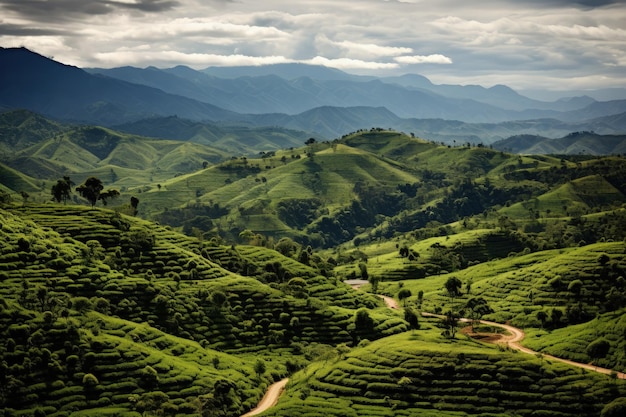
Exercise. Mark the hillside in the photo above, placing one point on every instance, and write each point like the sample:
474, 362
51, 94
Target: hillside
577, 143
230, 276
112, 306
31, 81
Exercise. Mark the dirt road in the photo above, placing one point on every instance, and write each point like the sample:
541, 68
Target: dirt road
389, 302
516, 335
512, 340
269, 399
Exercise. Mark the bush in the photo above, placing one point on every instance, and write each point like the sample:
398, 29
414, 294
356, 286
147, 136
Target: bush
90, 380
616, 408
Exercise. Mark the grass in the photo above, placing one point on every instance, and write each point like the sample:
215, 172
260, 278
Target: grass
421, 372
115, 298
92, 292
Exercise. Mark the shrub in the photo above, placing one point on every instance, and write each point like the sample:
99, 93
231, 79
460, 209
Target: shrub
90, 380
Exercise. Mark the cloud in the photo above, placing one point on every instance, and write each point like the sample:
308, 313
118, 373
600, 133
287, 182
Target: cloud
424, 59
348, 64
370, 49
150, 6
521, 41
51, 10
143, 54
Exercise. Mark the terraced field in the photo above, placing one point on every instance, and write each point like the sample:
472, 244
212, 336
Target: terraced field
419, 373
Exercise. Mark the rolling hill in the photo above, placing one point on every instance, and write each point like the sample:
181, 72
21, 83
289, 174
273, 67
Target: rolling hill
230, 275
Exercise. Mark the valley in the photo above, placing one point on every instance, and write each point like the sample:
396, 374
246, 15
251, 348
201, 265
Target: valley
161, 255
230, 277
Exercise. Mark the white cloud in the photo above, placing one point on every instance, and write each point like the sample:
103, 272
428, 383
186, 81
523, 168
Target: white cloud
347, 63
424, 59
143, 54
370, 49
520, 41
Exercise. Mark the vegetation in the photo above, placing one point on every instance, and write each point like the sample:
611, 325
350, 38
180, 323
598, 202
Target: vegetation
193, 291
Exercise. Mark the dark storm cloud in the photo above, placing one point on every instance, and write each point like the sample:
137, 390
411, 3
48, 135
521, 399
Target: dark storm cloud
51, 10
19, 30
151, 6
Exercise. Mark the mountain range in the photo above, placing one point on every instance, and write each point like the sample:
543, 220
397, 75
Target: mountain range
321, 102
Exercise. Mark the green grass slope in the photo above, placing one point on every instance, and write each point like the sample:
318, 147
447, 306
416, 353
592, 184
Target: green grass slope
421, 373
100, 310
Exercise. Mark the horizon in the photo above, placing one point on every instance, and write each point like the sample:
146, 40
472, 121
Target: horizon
558, 45
600, 94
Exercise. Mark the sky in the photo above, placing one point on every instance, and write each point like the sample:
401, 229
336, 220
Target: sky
525, 44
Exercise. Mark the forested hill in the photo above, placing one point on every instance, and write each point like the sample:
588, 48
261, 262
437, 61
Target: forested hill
191, 291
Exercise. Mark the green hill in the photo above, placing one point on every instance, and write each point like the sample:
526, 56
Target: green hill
119, 311
230, 276
422, 374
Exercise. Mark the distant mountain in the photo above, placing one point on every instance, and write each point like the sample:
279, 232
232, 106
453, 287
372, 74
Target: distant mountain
285, 71
327, 107
576, 143
270, 93
31, 81
260, 91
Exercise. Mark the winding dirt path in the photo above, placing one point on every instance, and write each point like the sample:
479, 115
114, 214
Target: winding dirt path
269, 399
512, 339
389, 302
516, 335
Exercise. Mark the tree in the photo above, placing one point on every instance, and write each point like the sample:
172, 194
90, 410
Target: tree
62, 189
374, 281
451, 321
403, 294
259, 367
106, 195
363, 269
286, 246
25, 196
453, 287
555, 316
603, 259
477, 307
599, 348
134, 202
363, 322
542, 316
90, 190
411, 317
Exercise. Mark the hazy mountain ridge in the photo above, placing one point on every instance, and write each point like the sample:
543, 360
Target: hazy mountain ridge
262, 91
576, 143
28, 80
